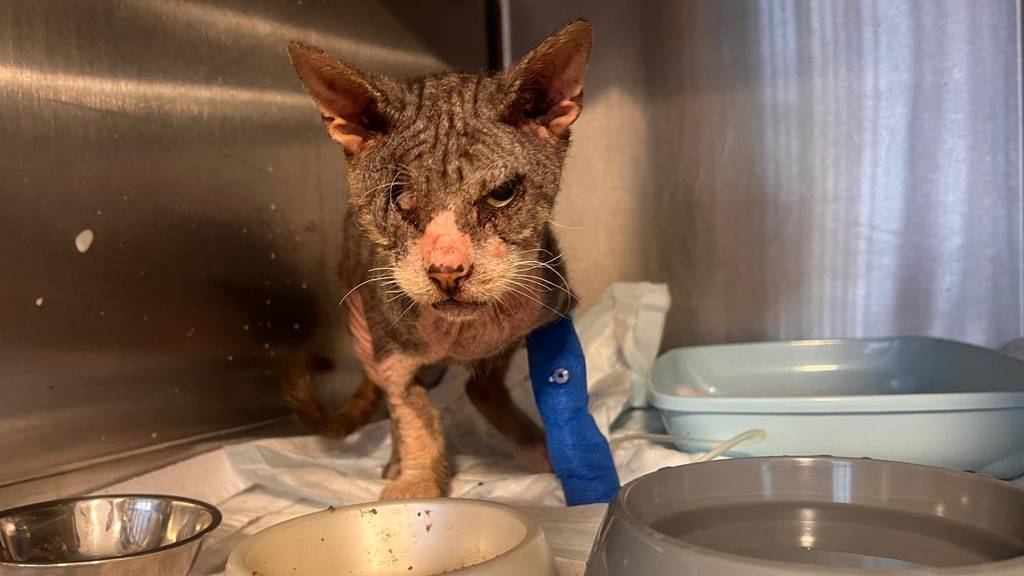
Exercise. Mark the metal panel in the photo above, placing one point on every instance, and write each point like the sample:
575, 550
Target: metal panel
798, 169
177, 133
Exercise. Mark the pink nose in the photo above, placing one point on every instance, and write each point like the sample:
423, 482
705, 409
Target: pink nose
449, 279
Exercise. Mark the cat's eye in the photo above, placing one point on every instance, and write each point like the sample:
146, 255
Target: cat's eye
400, 197
503, 195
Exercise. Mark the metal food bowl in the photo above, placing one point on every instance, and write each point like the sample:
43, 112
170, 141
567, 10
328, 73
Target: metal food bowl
410, 538
811, 517
126, 535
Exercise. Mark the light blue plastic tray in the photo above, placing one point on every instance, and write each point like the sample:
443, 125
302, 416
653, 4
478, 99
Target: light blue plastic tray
918, 400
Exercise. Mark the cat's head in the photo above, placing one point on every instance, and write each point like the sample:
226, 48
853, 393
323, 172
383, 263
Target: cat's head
454, 176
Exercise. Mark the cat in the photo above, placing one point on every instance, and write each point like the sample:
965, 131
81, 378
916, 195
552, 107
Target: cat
447, 242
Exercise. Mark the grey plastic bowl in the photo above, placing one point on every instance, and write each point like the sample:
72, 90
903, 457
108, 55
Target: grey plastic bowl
124, 535
811, 516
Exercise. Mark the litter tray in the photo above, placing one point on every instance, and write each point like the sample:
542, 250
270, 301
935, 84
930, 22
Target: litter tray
918, 400
792, 516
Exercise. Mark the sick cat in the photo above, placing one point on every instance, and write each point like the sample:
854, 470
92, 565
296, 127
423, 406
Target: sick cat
447, 242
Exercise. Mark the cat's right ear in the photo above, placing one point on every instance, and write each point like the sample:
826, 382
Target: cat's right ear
348, 102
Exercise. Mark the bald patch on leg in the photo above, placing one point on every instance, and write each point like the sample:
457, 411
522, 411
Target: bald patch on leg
418, 467
424, 464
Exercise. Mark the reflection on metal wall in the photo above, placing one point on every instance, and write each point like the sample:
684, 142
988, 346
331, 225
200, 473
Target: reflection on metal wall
801, 169
177, 133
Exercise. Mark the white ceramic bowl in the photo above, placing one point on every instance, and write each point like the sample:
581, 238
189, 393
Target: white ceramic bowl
410, 538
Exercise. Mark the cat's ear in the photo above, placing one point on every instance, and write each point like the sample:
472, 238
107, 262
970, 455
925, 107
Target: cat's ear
547, 84
348, 102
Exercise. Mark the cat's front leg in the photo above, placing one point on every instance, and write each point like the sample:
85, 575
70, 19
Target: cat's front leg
487, 391
419, 460
423, 470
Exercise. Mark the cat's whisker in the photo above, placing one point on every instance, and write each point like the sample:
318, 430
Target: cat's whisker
518, 256
554, 271
356, 287
414, 303
548, 284
534, 264
385, 279
537, 282
530, 251
554, 259
393, 182
567, 227
525, 294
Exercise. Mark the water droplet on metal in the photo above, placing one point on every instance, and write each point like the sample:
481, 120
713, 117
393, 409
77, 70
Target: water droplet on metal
84, 240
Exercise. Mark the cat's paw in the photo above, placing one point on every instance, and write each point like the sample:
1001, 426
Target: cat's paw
411, 488
392, 470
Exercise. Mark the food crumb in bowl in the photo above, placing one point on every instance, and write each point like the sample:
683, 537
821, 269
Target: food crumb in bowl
331, 508
429, 526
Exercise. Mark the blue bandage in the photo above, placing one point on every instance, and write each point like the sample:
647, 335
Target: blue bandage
579, 453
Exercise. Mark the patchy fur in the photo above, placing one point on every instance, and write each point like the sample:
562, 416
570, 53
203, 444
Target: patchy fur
448, 246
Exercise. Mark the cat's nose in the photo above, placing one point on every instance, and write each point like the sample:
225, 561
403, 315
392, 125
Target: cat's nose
449, 279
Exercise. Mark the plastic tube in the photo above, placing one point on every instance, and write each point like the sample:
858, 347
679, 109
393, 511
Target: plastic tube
753, 435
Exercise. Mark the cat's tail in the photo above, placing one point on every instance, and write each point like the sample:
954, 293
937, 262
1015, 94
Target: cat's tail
299, 395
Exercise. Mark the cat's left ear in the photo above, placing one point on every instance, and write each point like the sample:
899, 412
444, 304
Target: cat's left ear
547, 84
348, 102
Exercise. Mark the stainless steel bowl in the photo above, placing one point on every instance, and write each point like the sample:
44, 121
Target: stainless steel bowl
126, 535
